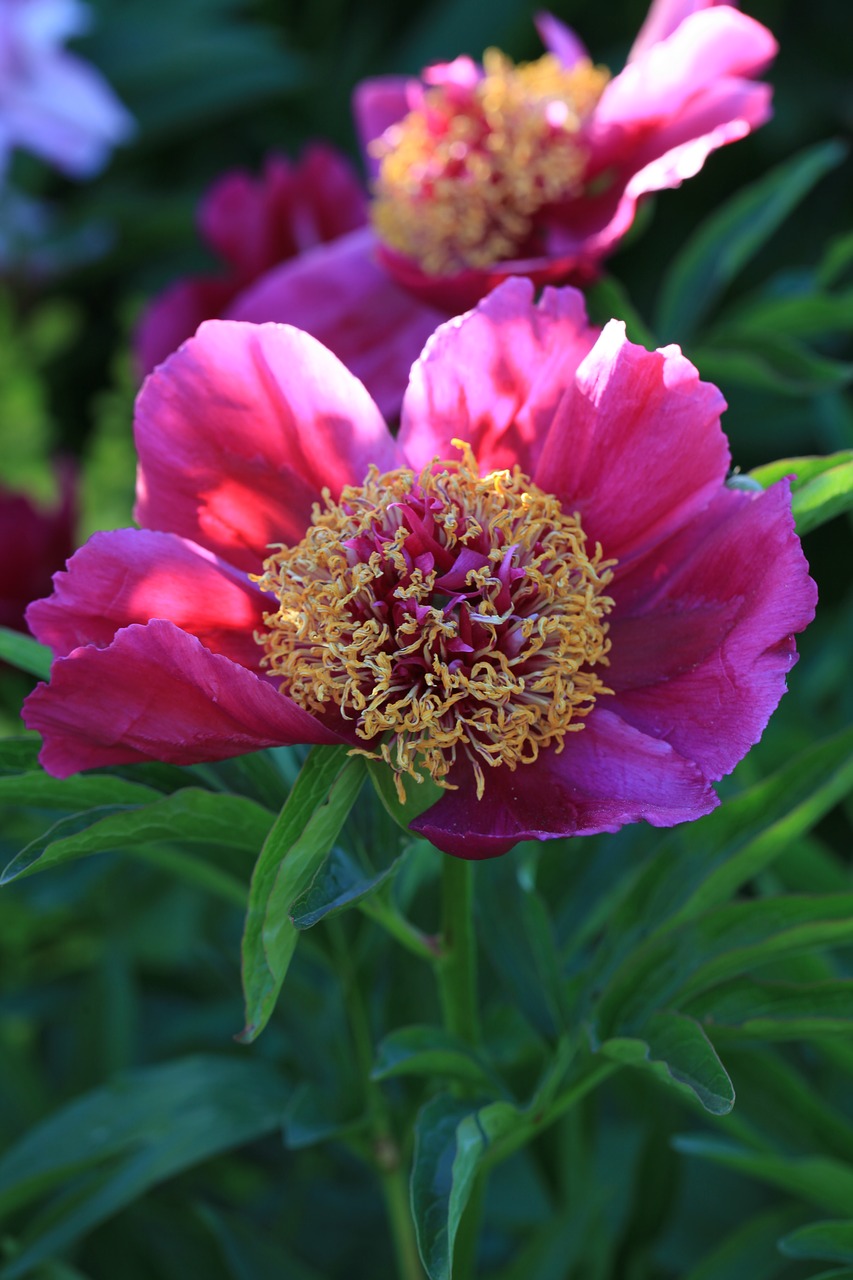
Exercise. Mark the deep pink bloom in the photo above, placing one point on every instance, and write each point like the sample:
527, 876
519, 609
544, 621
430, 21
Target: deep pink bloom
52, 102
477, 615
36, 544
485, 172
253, 224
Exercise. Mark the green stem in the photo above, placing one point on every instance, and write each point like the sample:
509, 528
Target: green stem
387, 1158
457, 963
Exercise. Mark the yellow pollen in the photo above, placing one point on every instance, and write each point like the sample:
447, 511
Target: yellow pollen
451, 617
462, 180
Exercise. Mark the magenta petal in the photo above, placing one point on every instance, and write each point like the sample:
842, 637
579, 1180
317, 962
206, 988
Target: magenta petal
133, 575
608, 774
711, 44
338, 293
157, 694
494, 377
703, 633
376, 105
240, 431
637, 448
560, 39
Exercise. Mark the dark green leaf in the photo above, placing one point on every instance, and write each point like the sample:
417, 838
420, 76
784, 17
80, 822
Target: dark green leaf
778, 1010
829, 1241
18, 755
190, 816
82, 791
750, 1252
430, 1051
419, 795
316, 1114
339, 884
294, 851
771, 362
115, 1143
25, 653
717, 252
677, 1051
822, 1181
450, 1143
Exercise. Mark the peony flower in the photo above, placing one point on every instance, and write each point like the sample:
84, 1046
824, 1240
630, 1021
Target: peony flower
485, 172
42, 542
51, 102
253, 224
541, 595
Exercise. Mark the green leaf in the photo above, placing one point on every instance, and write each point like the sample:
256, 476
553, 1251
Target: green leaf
419, 795
810, 315
836, 261
819, 1179
749, 1252
112, 1145
18, 755
770, 362
608, 299
829, 1241
190, 816
823, 487
430, 1051
675, 966
726, 241
677, 1051
294, 851
339, 884
451, 1141
82, 791
315, 1114
701, 866
25, 653
777, 1010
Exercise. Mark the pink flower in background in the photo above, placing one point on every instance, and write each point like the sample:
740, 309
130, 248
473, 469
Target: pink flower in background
36, 545
541, 595
52, 102
484, 172
254, 224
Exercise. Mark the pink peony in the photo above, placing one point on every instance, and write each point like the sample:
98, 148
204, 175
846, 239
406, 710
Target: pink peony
485, 172
51, 102
253, 224
541, 595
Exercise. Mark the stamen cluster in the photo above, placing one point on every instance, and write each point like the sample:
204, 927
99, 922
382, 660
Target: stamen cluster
462, 180
450, 616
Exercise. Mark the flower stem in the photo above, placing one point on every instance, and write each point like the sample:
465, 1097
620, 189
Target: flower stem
457, 963
385, 1150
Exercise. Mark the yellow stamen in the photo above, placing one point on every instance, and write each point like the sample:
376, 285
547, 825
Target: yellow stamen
462, 180
491, 666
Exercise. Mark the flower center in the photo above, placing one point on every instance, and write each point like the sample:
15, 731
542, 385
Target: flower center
450, 616
462, 180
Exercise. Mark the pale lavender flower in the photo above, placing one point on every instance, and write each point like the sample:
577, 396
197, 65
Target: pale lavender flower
51, 102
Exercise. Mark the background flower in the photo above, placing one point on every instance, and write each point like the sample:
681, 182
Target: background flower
37, 543
52, 102
483, 173
254, 224
241, 431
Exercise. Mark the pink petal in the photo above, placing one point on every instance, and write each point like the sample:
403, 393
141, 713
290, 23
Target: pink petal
703, 631
157, 694
377, 104
636, 447
133, 575
709, 45
663, 17
560, 39
239, 432
339, 294
608, 774
495, 376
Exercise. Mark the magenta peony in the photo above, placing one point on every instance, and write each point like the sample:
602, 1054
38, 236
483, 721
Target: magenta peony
541, 595
485, 172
